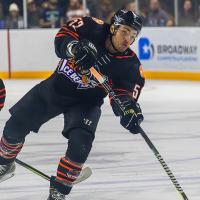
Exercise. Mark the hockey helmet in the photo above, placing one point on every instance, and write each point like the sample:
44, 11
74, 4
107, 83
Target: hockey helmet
127, 17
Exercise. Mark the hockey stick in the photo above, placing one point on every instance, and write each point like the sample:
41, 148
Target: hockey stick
85, 173
110, 91
32, 169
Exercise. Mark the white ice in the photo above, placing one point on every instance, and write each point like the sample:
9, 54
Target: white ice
124, 168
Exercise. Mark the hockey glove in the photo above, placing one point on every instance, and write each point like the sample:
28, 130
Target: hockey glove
132, 117
85, 55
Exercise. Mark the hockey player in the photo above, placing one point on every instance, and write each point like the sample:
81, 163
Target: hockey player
2, 94
73, 91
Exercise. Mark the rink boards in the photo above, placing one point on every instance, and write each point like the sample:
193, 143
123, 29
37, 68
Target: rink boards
165, 53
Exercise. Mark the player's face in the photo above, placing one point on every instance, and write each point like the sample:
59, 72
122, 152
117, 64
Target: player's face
124, 37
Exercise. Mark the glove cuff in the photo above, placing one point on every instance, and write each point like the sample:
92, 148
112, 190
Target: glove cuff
70, 46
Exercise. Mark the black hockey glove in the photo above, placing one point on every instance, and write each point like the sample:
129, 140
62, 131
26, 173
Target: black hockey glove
85, 54
132, 117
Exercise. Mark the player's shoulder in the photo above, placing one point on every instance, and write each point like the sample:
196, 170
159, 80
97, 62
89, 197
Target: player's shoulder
93, 20
86, 21
130, 58
94, 23
134, 65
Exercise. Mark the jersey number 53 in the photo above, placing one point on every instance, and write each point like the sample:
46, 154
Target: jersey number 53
76, 23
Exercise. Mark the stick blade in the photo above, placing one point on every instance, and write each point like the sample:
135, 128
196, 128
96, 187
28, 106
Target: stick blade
85, 174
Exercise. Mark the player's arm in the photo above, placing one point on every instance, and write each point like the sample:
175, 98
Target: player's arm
71, 42
68, 34
2, 94
128, 91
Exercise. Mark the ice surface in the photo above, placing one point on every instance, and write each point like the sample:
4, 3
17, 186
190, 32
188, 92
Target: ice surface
124, 168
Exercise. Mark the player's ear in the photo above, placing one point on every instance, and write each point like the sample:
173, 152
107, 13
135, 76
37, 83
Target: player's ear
112, 29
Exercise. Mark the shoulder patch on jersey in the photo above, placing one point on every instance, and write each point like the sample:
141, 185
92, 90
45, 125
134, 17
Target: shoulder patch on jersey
141, 71
98, 21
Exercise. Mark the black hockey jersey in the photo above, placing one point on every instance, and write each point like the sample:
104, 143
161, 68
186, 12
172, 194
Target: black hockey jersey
2, 94
123, 71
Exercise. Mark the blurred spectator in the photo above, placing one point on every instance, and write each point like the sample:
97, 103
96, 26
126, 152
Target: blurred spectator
131, 5
14, 20
93, 6
63, 4
198, 16
51, 15
75, 10
33, 14
44, 5
106, 10
2, 19
157, 16
186, 17
6, 4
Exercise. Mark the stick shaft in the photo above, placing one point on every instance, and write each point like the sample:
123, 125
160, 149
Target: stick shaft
164, 165
109, 90
32, 169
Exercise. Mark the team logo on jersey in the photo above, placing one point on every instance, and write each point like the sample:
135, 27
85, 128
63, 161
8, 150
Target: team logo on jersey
68, 68
146, 49
98, 21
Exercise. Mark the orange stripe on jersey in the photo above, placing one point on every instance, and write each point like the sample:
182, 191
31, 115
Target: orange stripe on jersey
68, 30
67, 33
62, 32
73, 35
60, 35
